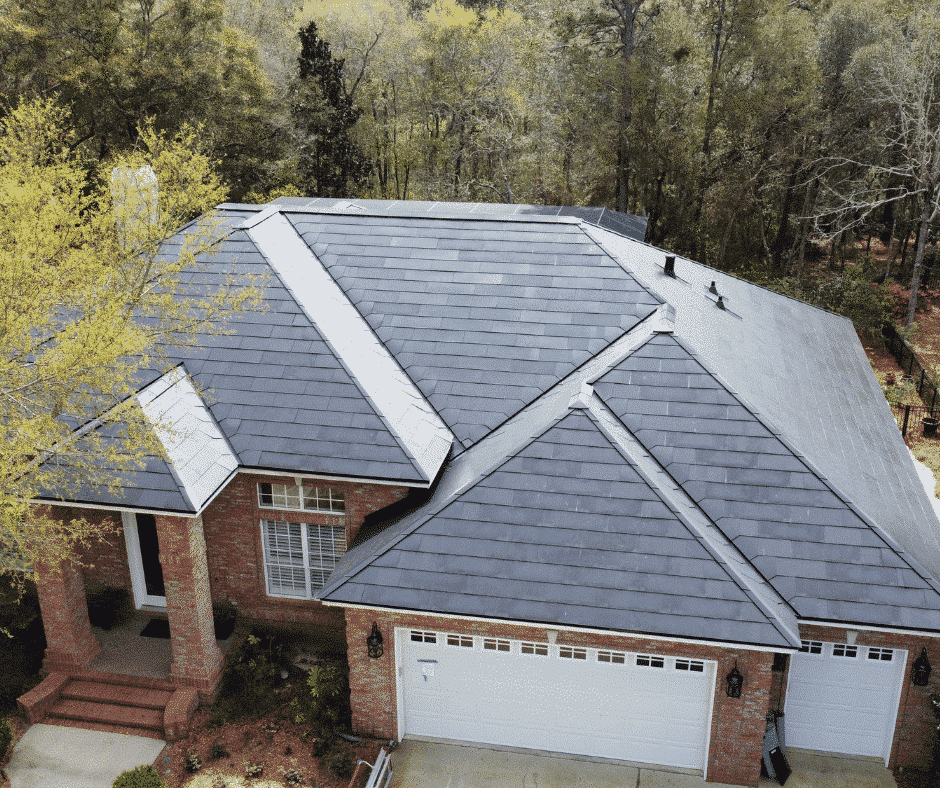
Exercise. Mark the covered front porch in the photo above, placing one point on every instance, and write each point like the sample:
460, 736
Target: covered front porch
147, 671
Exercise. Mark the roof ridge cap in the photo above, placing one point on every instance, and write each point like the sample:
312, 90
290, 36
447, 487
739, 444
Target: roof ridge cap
777, 610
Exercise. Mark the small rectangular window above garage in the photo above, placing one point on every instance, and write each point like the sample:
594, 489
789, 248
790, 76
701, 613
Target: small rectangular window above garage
881, 654
811, 647
494, 644
569, 652
418, 636
691, 665
613, 657
650, 661
463, 641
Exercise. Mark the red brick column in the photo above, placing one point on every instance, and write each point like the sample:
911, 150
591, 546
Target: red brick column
197, 661
70, 643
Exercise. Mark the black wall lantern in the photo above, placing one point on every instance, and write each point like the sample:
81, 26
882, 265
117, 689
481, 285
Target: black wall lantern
920, 672
734, 681
374, 642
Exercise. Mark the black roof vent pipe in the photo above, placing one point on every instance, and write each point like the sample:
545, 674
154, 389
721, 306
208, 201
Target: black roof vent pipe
670, 267
721, 303
713, 290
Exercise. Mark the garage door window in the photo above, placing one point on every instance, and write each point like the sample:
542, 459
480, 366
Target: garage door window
299, 557
492, 644
534, 649
649, 661
463, 641
811, 647
423, 637
613, 657
881, 654
691, 665
844, 650
567, 652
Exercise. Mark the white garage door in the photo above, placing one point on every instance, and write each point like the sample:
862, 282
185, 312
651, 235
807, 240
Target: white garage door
610, 704
843, 698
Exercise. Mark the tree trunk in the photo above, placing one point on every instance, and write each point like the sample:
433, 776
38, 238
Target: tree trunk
918, 258
781, 238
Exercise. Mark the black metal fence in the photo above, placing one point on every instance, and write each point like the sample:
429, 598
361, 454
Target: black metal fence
910, 365
909, 417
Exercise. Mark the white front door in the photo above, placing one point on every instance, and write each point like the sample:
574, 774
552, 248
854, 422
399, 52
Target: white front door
843, 698
143, 558
586, 701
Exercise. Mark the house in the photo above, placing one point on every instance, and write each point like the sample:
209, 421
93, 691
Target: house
559, 489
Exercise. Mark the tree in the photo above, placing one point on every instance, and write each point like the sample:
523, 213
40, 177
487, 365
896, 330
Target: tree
116, 63
324, 113
88, 297
897, 157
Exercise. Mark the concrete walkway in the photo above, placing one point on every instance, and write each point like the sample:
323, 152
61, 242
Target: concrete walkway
52, 756
424, 764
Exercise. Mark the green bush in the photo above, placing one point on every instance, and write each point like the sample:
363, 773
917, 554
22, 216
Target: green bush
342, 765
252, 674
328, 695
141, 777
6, 738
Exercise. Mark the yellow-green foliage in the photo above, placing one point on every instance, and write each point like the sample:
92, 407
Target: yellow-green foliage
82, 306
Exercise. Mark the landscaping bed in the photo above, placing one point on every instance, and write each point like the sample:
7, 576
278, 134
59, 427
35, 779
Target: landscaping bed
273, 724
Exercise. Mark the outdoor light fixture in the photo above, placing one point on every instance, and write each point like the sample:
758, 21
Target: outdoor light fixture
374, 642
734, 681
920, 672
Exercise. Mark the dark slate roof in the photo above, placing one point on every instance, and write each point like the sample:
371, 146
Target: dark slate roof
278, 392
822, 557
624, 224
566, 531
152, 486
482, 315
803, 371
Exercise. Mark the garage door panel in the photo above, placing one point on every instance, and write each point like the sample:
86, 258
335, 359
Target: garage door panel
843, 705
578, 706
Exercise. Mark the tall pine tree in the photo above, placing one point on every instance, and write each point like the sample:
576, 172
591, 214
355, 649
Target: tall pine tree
331, 163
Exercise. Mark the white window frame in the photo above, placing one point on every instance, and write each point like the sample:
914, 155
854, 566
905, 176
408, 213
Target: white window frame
335, 498
310, 587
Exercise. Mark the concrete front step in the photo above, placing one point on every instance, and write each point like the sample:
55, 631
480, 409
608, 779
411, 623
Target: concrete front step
105, 727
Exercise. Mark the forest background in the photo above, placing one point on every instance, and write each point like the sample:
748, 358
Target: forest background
767, 138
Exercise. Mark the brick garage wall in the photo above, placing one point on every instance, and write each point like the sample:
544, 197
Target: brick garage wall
915, 731
232, 527
737, 723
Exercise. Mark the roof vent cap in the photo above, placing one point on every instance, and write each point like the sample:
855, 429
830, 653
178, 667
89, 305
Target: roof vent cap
712, 289
721, 303
670, 268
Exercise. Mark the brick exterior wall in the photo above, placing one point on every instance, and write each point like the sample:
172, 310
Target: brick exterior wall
231, 525
737, 723
197, 661
915, 731
71, 645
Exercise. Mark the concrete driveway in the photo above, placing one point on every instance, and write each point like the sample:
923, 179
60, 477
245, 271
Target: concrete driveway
423, 764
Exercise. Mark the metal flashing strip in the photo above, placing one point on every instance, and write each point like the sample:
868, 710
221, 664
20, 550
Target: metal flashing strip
410, 418
564, 628
780, 614
488, 454
198, 452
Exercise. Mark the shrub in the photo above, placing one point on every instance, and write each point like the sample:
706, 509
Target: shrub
252, 673
22, 639
6, 738
341, 765
141, 777
328, 696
